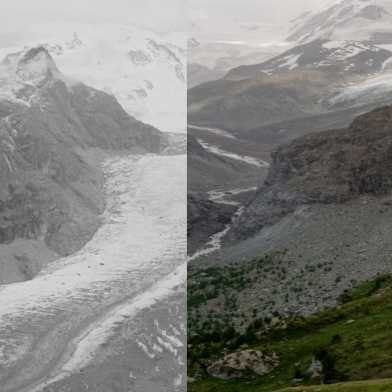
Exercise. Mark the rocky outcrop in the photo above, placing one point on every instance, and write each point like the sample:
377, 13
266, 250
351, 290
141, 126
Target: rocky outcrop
205, 218
235, 365
329, 167
53, 134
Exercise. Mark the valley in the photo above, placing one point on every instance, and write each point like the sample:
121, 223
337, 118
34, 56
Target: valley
315, 226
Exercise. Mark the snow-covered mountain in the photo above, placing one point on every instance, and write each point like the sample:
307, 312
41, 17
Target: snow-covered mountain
360, 20
138, 67
340, 58
364, 25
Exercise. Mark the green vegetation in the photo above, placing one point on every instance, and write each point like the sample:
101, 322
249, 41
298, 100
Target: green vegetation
358, 386
221, 286
353, 341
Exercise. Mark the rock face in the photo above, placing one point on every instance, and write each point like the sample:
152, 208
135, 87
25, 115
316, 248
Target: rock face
205, 218
53, 132
234, 365
315, 371
329, 167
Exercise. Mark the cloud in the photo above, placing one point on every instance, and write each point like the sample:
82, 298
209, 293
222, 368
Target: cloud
154, 14
250, 20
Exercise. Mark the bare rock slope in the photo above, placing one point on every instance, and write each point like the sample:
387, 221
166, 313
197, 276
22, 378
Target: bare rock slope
330, 167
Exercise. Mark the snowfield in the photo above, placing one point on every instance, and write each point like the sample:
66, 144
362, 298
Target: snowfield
54, 324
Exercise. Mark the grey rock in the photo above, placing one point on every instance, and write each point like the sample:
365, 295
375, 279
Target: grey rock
233, 365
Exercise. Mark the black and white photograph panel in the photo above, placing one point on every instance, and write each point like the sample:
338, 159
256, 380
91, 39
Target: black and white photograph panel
289, 196
92, 196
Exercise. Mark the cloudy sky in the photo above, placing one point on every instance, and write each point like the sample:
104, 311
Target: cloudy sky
155, 14
248, 20
211, 20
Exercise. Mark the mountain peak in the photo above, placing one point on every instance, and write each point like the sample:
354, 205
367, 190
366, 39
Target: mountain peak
36, 65
23, 72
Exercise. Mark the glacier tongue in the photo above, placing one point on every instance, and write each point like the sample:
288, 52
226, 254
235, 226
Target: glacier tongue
136, 259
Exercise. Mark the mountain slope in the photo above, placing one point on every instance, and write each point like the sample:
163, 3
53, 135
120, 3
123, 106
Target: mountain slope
339, 345
345, 58
241, 105
325, 210
53, 133
212, 60
328, 167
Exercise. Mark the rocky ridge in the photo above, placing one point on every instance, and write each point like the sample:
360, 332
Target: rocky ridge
328, 167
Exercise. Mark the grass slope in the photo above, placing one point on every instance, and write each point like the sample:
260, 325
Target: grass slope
354, 342
358, 386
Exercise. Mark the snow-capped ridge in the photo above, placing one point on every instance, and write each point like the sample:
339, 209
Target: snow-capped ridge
346, 19
339, 58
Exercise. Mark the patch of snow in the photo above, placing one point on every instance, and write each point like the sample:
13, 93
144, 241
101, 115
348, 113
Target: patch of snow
219, 196
216, 131
290, 62
243, 158
332, 44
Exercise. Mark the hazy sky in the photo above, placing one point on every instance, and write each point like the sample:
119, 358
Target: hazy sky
155, 14
264, 20
249, 20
